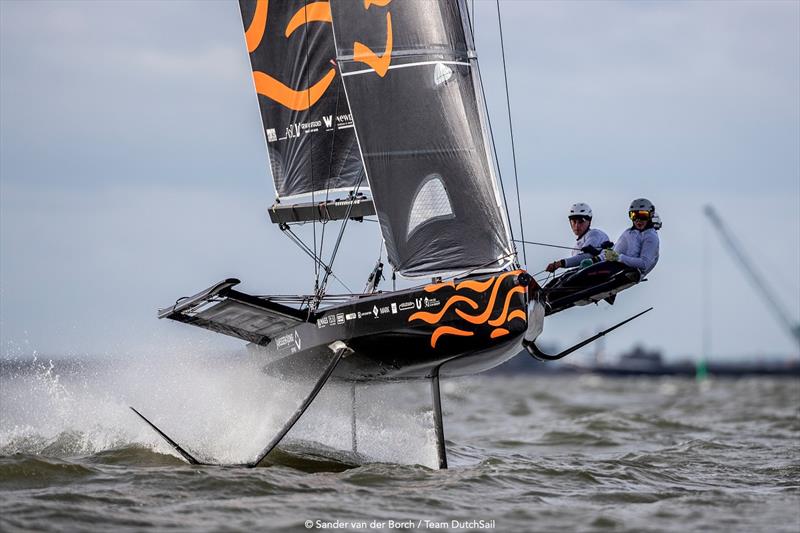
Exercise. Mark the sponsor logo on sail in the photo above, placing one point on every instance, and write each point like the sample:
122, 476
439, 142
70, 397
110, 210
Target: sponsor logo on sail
328, 120
300, 128
271, 136
344, 121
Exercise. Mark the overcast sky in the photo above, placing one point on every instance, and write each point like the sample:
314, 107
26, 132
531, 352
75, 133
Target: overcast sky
133, 167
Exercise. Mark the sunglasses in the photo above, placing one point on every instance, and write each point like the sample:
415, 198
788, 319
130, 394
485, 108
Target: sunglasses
639, 215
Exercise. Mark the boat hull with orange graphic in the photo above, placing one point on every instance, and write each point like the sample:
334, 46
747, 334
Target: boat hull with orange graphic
471, 324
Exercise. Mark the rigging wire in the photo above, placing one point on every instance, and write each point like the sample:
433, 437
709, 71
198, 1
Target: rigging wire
305, 248
511, 131
496, 160
330, 161
546, 244
311, 145
320, 292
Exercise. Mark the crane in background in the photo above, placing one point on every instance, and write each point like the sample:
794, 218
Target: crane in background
752, 275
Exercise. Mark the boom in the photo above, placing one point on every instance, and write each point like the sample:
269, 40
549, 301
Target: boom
753, 276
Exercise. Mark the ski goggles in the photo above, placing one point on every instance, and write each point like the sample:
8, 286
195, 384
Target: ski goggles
579, 218
641, 215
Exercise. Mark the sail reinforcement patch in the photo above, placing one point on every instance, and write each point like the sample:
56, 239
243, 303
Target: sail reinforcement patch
430, 203
441, 73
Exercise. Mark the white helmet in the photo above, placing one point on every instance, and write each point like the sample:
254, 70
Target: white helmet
656, 221
580, 210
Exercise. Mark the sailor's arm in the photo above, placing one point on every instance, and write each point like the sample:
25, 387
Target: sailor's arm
648, 256
575, 260
622, 244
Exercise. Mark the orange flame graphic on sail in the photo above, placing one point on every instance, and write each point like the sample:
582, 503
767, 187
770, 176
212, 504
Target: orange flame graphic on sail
269, 86
363, 53
480, 287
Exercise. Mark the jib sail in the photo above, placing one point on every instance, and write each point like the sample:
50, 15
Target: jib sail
307, 123
413, 86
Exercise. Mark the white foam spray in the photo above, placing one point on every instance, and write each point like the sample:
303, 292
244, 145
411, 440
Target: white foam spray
221, 408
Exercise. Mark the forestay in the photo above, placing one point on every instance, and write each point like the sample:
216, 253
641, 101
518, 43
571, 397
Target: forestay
413, 86
307, 123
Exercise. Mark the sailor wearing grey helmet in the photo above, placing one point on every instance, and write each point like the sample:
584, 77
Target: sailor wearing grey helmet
638, 246
589, 240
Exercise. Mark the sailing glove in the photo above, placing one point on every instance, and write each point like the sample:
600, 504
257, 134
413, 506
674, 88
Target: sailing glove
610, 255
591, 250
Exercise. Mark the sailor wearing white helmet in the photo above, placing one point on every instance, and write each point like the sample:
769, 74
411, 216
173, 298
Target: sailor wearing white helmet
589, 240
638, 246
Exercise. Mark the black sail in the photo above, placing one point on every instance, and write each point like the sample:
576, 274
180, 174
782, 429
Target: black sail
413, 86
307, 124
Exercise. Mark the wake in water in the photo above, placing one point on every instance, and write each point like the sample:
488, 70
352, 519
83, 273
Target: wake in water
221, 409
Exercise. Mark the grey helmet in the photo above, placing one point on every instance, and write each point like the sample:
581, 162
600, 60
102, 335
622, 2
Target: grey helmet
642, 204
580, 210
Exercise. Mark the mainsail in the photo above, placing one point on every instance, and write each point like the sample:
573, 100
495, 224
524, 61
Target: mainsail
411, 77
307, 123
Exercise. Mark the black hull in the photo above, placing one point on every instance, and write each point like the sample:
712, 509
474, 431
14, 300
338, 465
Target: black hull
472, 325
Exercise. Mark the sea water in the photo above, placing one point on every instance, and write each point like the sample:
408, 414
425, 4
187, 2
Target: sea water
527, 452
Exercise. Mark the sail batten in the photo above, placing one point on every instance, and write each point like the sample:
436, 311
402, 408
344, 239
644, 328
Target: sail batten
424, 144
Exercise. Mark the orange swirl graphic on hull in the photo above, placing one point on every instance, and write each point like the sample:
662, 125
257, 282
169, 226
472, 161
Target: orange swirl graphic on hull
493, 283
499, 332
436, 286
432, 318
447, 330
502, 318
517, 313
483, 317
477, 286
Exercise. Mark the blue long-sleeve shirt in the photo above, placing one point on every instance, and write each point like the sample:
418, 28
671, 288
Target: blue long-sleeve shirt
592, 237
638, 249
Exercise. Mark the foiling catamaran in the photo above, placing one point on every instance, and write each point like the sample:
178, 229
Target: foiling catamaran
379, 105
